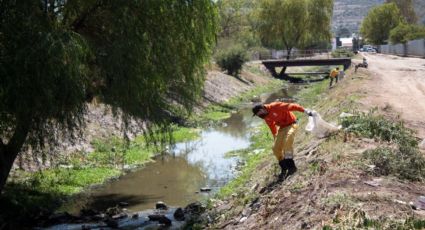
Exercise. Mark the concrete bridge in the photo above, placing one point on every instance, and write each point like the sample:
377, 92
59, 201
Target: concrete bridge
271, 65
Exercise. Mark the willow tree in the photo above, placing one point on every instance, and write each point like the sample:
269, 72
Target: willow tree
144, 58
379, 21
289, 24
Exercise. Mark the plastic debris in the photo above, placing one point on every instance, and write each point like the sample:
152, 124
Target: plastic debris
422, 144
420, 202
374, 182
318, 127
344, 114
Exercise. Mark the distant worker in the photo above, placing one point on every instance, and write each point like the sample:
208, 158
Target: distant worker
363, 64
334, 75
283, 125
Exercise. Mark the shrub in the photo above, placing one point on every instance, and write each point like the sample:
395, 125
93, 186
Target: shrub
374, 126
263, 53
232, 60
409, 165
338, 53
404, 33
404, 160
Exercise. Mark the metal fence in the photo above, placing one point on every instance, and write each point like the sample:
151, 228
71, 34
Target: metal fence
414, 48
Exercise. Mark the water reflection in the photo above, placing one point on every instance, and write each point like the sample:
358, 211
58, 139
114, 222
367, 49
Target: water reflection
177, 178
170, 179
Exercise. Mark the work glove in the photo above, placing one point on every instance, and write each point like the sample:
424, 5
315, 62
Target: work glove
308, 112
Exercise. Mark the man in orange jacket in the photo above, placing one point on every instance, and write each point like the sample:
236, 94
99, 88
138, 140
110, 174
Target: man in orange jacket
283, 125
334, 75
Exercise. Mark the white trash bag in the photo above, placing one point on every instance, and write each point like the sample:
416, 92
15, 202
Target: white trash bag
318, 127
422, 145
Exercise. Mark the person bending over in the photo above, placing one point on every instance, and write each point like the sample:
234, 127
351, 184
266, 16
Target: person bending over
282, 122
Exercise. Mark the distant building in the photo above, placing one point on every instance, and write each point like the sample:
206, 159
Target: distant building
338, 42
347, 43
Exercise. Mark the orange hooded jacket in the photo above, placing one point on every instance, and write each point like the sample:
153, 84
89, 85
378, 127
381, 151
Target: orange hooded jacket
280, 115
334, 73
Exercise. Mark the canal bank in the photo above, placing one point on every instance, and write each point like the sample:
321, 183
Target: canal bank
192, 172
369, 175
33, 196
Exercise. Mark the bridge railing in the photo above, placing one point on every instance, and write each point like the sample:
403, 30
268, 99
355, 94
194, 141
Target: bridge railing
295, 54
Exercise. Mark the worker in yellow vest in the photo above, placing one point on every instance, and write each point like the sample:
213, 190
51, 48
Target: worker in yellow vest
334, 75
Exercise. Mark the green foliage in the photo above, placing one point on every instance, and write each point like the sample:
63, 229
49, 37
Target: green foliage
406, 9
116, 152
237, 23
42, 192
408, 164
374, 126
405, 161
378, 23
216, 115
136, 56
69, 181
294, 23
339, 53
184, 134
313, 94
405, 32
234, 15
232, 60
237, 185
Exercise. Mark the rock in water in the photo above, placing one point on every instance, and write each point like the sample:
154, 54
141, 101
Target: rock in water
161, 205
205, 189
194, 208
111, 223
160, 218
179, 214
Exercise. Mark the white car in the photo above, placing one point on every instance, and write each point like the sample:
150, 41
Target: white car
371, 50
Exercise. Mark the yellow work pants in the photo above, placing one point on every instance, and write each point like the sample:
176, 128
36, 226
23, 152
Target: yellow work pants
283, 144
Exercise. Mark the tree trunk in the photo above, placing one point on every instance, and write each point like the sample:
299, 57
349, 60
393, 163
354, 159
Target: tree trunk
6, 163
288, 54
9, 151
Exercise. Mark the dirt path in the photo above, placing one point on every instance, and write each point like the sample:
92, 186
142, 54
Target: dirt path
398, 82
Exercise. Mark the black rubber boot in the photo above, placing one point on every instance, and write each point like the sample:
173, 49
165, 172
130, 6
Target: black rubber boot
284, 169
291, 167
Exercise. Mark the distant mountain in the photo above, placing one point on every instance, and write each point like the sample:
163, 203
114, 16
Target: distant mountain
348, 14
420, 10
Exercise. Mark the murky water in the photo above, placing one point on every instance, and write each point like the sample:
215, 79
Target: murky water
176, 179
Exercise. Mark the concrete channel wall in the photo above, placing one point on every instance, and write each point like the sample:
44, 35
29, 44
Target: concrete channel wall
414, 48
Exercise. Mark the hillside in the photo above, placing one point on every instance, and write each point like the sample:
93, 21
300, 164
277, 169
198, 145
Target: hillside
420, 10
350, 13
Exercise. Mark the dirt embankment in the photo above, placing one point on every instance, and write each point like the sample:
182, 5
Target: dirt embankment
333, 185
102, 124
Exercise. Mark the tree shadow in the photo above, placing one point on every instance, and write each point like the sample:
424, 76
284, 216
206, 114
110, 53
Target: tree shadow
22, 207
105, 201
